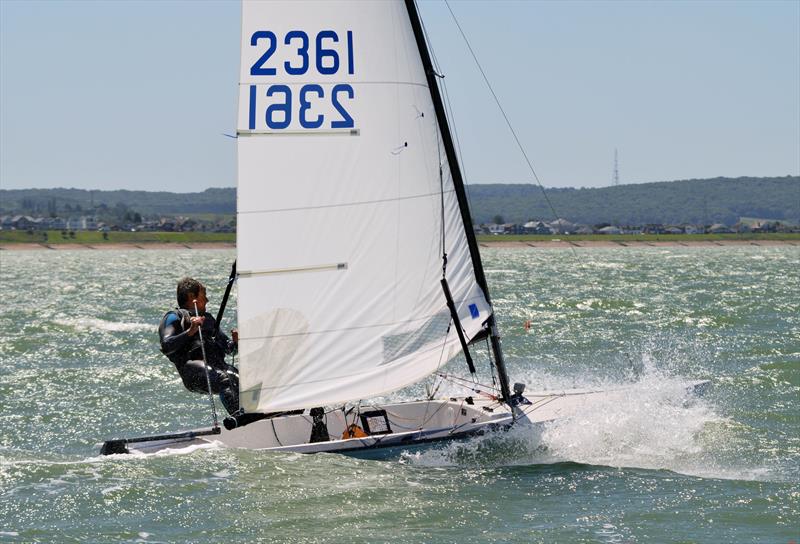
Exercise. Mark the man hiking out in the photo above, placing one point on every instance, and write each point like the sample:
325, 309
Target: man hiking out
181, 343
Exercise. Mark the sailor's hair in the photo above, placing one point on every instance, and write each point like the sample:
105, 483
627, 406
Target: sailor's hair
187, 287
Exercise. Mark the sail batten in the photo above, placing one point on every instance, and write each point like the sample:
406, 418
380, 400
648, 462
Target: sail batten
340, 238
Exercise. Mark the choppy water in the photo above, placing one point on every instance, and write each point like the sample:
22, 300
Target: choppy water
79, 363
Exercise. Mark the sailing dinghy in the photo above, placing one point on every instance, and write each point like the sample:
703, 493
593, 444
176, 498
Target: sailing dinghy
358, 269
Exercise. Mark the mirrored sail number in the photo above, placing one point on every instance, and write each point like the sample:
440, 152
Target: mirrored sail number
313, 105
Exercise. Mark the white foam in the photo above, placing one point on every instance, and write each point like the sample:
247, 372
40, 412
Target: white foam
657, 424
186, 450
654, 425
517, 446
111, 489
86, 323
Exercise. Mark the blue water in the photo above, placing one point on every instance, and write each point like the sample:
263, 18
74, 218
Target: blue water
79, 363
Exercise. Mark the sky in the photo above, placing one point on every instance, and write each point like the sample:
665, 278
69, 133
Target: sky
135, 94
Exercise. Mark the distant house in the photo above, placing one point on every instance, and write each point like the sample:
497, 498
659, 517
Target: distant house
742, 227
672, 229
85, 222
561, 226
765, 226
786, 227
495, 228
166, 225
536, 227
719, 228
654, 228
54, 223
611, 229
23, 222
691, 229
187, 225
630, 229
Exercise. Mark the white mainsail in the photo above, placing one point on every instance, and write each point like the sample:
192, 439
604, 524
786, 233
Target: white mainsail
340, 209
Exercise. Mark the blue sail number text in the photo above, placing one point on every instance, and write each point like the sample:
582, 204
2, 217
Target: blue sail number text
286, 104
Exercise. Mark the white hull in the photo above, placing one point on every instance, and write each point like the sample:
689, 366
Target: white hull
412, 425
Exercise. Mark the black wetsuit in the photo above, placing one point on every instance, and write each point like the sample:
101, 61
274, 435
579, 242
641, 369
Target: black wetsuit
186, 353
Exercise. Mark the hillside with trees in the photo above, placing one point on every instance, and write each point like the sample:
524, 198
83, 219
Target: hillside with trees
65, 202
719, 200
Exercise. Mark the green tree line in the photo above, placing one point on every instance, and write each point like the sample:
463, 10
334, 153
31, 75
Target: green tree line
697, 201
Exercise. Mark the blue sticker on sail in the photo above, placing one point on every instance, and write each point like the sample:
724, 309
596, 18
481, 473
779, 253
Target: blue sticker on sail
473, 311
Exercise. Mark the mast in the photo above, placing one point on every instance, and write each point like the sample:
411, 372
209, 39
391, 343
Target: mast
458, 183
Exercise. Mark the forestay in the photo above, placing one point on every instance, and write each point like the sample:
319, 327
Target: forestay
340, 207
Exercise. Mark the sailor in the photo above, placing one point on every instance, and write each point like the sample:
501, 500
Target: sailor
180, 342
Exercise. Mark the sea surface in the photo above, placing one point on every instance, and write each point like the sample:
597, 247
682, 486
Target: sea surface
79, 363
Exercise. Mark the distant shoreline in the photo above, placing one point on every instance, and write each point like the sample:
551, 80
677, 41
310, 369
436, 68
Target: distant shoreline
510, 244
25, 246
554, 244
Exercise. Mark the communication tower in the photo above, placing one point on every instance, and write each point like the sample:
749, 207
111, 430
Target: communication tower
615, 179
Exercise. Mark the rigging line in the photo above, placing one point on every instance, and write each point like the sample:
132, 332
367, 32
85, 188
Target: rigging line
452, 118
454, 378
441, 356
448, 111
275, 433
443, 240
355, 410
491, 366
457, 380
205, 366
426, 419
345, 204
503, 112
438, 365
441, 189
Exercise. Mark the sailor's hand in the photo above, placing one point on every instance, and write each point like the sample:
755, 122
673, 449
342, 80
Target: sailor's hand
197, 322
235, 336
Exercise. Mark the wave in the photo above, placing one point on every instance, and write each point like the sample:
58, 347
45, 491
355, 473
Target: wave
86, 323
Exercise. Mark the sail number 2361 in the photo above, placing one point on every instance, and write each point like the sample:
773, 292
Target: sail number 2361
314, 105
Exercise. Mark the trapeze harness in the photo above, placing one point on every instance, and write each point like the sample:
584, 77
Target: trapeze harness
186, 353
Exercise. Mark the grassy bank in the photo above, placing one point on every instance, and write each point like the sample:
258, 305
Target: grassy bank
94, 238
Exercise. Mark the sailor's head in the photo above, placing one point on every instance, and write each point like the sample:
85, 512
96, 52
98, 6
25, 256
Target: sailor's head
191, 292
